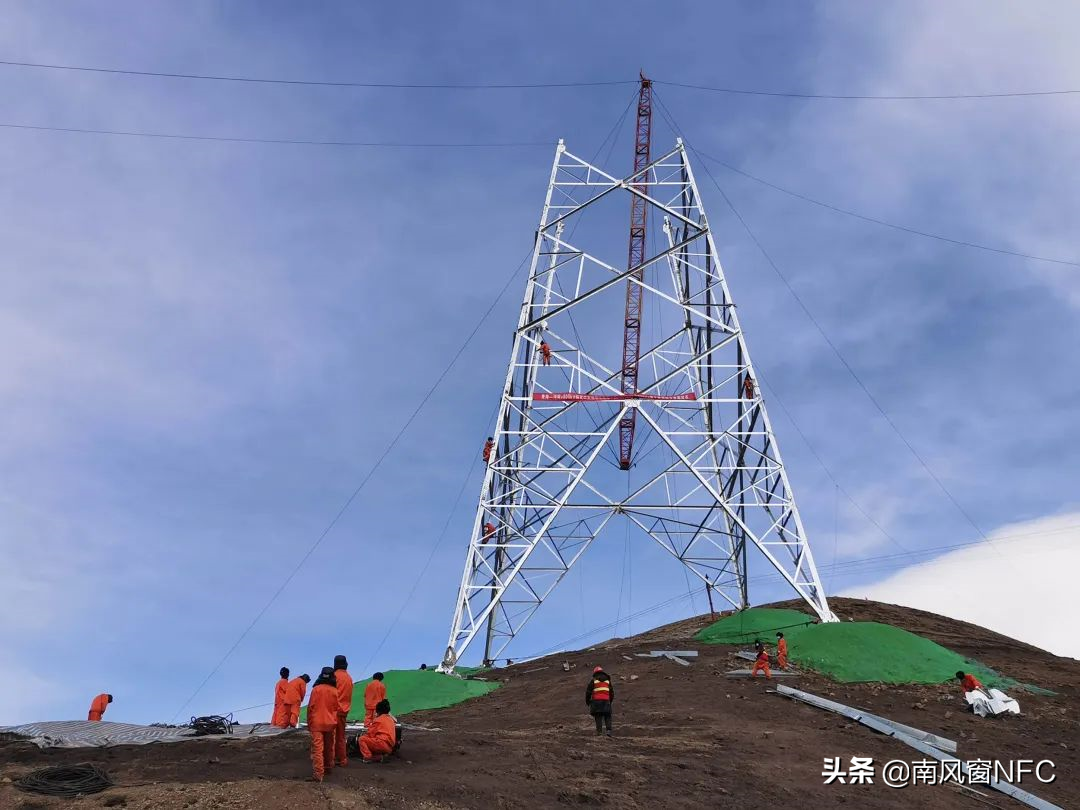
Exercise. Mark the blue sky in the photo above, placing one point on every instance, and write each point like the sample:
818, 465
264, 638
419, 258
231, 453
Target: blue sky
209, 344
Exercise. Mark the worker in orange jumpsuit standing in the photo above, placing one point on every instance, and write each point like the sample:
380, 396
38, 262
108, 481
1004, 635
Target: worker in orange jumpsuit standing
344, 693
294, 696
489, 445
98, 706
781, 651
380, 735
545, 353
280, 717
761, 662
969, 683
373, 693
322, 723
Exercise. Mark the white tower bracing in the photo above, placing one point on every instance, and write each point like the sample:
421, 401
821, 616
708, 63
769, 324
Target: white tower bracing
709, 479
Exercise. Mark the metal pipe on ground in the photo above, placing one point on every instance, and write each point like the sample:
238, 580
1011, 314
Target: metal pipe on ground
887, 728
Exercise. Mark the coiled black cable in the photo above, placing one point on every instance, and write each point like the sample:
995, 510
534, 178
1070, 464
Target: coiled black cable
212, 724
65, 781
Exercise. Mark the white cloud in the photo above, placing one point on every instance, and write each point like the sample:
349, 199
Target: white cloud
1019, 583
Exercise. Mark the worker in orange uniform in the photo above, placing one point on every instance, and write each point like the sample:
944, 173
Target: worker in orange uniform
294, 696
98, 706
344, 694
599, 695
969, 683
322, 722
545, 353
280, 717
489, 532
380, 735
748, 386
489, 445
781, 651
761, 662
373, 693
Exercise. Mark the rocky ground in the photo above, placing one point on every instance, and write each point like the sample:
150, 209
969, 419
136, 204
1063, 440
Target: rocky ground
685, 736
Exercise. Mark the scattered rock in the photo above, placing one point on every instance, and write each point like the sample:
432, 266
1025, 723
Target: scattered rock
634, 677
214, 761
948, 715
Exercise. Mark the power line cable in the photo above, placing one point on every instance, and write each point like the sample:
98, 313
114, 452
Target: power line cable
828, 340
371, 472
281, 141
316, 82
867, 97
866, 218
385, 85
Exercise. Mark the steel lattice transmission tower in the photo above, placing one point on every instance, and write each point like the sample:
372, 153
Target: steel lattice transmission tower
708, 479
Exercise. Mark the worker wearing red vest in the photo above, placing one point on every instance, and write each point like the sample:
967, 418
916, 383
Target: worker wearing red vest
98, 706
322, 721
781, 651
489, 532
599, 695
489, 445
748, 386
761, 662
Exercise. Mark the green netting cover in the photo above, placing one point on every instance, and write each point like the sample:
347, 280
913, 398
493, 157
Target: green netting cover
853, 652
410, 690
746, 625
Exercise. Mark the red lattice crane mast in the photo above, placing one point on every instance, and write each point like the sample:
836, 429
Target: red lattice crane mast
632, 324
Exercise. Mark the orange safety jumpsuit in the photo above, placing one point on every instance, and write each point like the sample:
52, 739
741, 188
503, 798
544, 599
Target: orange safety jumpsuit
762, 663
489, 532
344, 696
280, 717
294, 696
781, 653
748, 386
970, 683
545, 352
379, 737
322, 722
97, 707
488, 447
373, 693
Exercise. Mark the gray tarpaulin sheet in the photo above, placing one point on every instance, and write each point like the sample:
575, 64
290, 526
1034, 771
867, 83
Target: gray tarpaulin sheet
102, 734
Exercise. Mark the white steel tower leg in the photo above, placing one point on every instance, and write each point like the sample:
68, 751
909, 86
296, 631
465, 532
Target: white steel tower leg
713, 483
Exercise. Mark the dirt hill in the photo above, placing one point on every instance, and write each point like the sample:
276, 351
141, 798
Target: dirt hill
685, 737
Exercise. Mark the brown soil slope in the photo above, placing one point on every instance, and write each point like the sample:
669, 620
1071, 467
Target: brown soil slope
685, 737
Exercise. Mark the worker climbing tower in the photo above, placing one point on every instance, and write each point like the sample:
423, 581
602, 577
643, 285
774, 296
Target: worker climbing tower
667, 429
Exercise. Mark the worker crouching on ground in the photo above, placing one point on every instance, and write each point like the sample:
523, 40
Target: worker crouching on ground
322, 723
280, 718
294, 697
344, 692
762, 661
380, 734
599, 695
98, 706
781, 651
969, 683
373, 693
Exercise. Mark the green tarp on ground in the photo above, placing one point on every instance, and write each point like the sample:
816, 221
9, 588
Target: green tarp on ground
746, 625
853, 652
850, 652
410, 690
